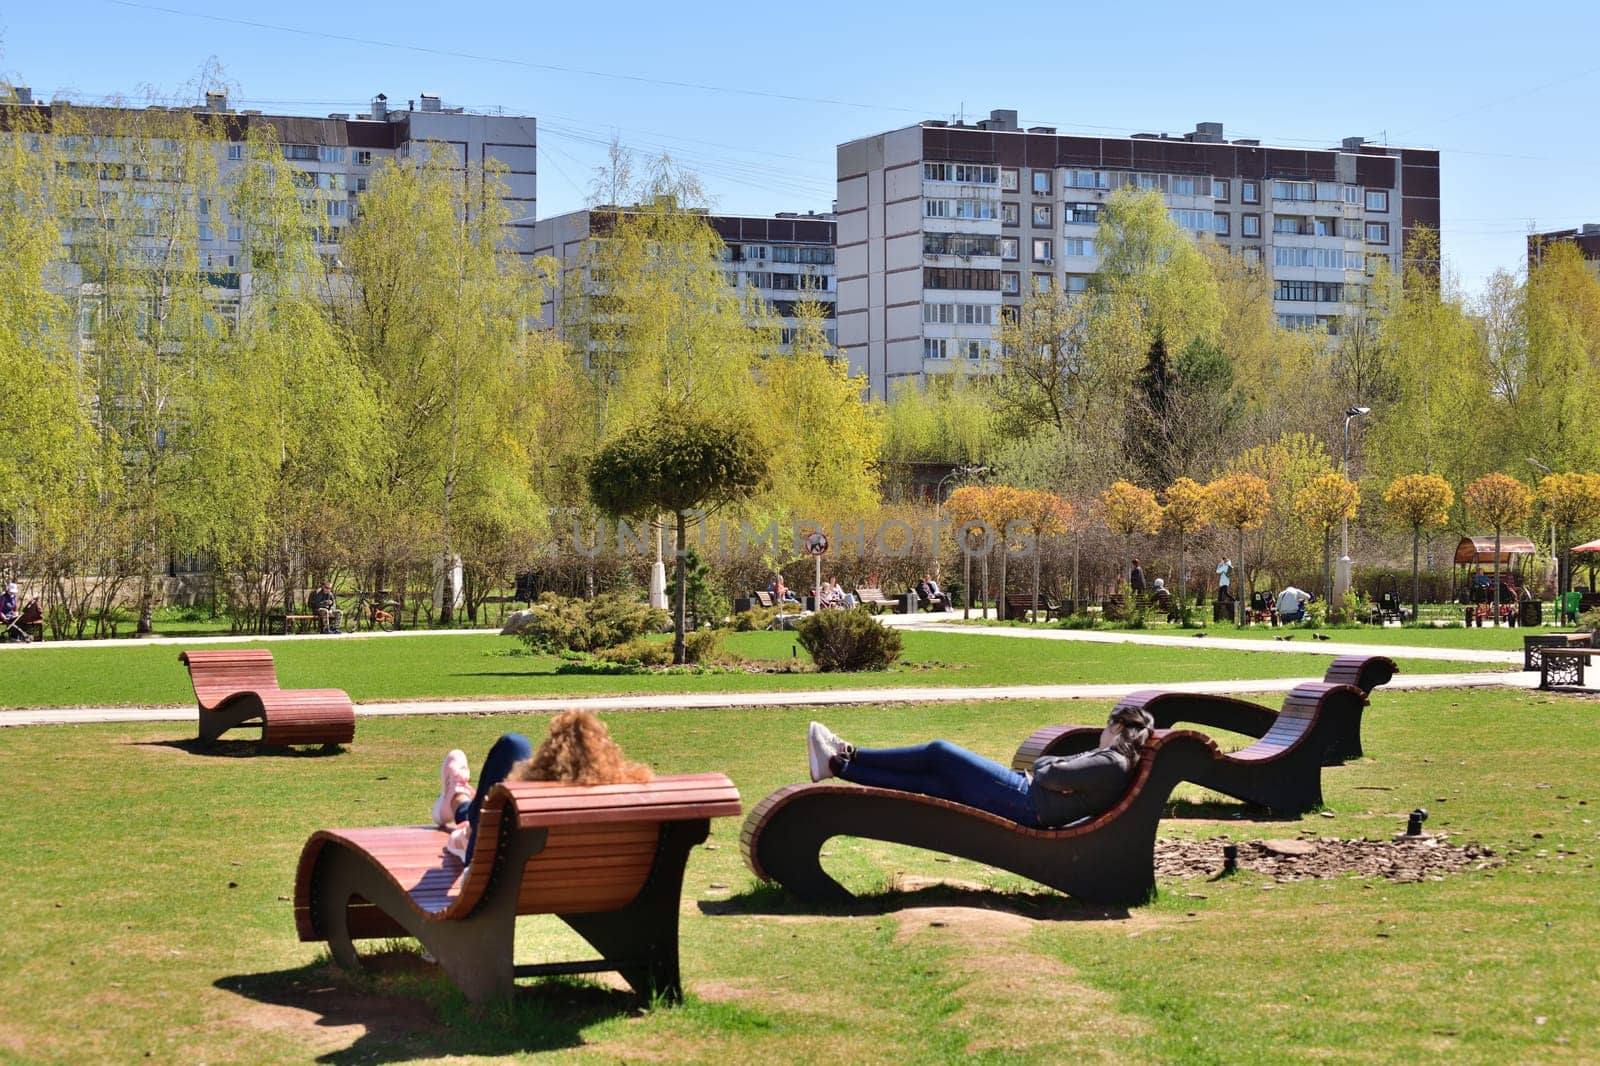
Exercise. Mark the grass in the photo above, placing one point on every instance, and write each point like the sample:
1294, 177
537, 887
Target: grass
1506, 638
147, 912
451, 665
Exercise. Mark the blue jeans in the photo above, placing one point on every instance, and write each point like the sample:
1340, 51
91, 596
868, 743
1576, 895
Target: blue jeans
946, 771
509, 750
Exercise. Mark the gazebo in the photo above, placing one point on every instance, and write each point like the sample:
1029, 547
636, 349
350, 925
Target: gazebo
1477, 556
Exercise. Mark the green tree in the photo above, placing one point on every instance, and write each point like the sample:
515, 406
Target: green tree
1240, 502
1184, 514
1569, 502
1323, 503
687, 465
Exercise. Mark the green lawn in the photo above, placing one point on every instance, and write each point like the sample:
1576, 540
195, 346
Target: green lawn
148, 915
450, 665
1485, 639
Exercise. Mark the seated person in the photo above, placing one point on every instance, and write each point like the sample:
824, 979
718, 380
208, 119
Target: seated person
1162, 595
929, 592
1292, 605
327, 611
578, 750
9, 607
781, 592
1058, 790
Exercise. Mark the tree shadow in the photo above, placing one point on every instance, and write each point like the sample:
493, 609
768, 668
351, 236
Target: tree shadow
407, 1010
241, 749
768, 898
1220, 811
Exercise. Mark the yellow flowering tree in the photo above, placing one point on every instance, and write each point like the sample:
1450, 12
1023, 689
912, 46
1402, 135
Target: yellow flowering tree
1241, 502
1414, 501
1048, 515
1502, 502
1130, 509
1569, 502
1324, 502
1184, 514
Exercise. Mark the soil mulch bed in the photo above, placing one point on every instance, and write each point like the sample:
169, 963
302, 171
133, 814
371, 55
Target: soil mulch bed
1403, 859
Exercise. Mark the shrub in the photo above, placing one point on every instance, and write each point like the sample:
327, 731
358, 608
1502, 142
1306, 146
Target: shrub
753, 619
848, 641
638, 652
703, 645
561, 624
1589, 621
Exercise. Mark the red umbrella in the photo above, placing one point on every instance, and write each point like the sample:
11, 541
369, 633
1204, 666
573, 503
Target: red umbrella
1591, 546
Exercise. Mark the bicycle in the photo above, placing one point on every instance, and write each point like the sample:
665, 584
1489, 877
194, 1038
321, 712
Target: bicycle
374, 611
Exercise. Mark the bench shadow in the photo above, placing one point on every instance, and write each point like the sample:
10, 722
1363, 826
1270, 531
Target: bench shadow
1225, 811
241, 749
406, 1010
773, 899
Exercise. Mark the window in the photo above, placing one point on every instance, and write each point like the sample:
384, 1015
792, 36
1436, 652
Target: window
336, 208
935, 208
1195, 220
329, 154
1041, 183
1088, 179
1294, 190
1077, 283
1010, 282
757, 252
1219, 189
935, 348
1310, 291
966, 208
963, 244
1009, 249
1041, 250
1377, 199
205, 231
1249, 225
938, 314
361, 185
1302, 323
1330, 190
203, 207
1078, 246
1252, 256
973, 350
1219, 223
1008, 179
301, 152
960, 278
1377, 233
1352, 194
966, 173
1042, 216
235, 151
817, 255
1041, 282
1317, 258
975, 314
1182, 185
1010, 215
1250, 192
1291, 224
361, 157
1081, 214
235, 233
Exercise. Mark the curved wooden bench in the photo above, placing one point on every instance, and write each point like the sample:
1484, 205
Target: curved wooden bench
607, 859
1106, 859
235, 687
1281, 770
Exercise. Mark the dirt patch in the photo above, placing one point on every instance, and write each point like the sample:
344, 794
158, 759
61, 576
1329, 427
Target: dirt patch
328, 1017
1404, 859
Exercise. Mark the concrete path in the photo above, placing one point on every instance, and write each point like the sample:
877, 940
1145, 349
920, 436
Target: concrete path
803, 698
178, 639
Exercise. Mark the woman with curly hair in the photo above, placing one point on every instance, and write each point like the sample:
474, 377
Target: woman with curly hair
578, 750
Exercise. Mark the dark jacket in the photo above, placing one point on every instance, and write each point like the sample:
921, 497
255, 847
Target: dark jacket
1136, 579
320, 600
1068, 787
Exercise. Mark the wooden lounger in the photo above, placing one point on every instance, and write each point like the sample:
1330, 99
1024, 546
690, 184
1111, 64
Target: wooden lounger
606, 859
1282, 770
235, 687
1106, 859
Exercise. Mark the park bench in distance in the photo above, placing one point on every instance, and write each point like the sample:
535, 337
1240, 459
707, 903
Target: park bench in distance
236, 687
1108, 859
1019, 605
874, 600
606, 859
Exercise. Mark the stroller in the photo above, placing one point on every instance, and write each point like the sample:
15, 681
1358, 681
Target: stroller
32, 617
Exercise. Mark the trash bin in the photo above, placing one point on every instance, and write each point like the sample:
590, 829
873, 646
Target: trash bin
908, 603
1222, 611
1531, 613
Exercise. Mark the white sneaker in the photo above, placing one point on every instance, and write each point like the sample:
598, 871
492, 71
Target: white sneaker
453, 778
823, 744
457, 842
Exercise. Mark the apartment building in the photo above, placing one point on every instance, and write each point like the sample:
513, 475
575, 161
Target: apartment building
942, 227
335, 157
783, 259
1585, 237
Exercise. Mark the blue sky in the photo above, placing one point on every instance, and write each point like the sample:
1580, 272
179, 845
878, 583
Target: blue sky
1508, 92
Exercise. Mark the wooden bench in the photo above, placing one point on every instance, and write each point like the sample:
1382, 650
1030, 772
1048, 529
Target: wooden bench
298, 623
764, 599
1533, 647
1319, 725
1021, 604
1564, 666
235, 687
608, 860
874, 600
1109, 858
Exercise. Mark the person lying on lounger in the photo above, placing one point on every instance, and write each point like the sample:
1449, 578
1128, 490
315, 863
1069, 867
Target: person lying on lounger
1058, 790
577, 751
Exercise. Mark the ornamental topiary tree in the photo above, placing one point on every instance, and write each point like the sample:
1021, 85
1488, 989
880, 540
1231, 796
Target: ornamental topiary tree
1239, 501
679, 464
1130, 509
1569, 501
1414, 501
1503, 503
1324, 502
1184, 514
1048, 515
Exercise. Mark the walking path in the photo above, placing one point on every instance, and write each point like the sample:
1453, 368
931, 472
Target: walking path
814, 698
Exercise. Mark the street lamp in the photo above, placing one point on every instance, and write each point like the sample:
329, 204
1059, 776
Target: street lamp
1341, 580
1554, 558
938, 564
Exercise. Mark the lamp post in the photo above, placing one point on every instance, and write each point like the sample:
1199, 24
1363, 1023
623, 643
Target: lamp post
1341, 578
1555, 560
938, 505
